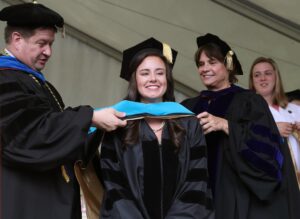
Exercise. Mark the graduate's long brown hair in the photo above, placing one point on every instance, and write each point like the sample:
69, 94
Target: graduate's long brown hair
131, 131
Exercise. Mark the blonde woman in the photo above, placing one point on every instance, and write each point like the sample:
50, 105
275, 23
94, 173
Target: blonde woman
265, 79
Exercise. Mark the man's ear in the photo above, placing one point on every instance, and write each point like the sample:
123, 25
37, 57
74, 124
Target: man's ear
16, 40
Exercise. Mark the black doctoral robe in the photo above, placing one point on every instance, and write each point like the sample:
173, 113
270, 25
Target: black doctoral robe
150, 180
250, 170
37, 139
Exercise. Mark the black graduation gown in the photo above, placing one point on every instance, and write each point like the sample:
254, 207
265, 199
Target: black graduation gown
251, 170
36, 140
148, 180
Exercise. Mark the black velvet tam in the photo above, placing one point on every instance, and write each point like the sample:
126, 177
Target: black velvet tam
224, 47
31, 15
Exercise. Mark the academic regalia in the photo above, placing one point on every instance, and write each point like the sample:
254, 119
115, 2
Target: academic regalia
150, 180
40, 141
250, 170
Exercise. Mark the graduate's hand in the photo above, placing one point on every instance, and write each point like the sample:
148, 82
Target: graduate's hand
285, 128
212, 123
108, 119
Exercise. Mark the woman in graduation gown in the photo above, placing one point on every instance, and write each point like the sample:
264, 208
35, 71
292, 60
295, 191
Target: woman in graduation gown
247, 159
155, 167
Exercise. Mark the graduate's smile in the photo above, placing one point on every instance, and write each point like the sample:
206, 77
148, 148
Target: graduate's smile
152, 87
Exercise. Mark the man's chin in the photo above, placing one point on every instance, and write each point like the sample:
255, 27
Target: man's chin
39, 68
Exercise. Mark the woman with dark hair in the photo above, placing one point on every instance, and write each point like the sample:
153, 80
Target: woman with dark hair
246, 157
155, 167
265, 79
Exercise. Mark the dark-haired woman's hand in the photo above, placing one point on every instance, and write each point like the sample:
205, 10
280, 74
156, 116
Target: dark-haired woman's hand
212, 123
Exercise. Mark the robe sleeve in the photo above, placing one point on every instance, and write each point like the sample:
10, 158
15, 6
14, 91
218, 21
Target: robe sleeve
34, 135
118, 199
194, 198
254, 145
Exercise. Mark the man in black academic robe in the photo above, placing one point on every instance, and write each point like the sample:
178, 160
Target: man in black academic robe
40, 139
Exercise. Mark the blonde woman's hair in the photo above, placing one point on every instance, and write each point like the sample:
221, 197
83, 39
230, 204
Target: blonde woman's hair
278, 96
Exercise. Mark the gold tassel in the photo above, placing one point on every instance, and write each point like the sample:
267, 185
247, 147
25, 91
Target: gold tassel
229, 61
167, 52
64, 174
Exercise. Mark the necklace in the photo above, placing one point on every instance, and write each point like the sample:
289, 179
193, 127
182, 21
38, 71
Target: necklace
160, 127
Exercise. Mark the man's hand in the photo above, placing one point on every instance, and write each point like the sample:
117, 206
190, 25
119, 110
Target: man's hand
108, 119
212, 123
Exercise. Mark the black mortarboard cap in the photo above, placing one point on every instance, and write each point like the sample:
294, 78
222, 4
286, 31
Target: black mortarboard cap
224, 47
149, 44
31, 15
293, 95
